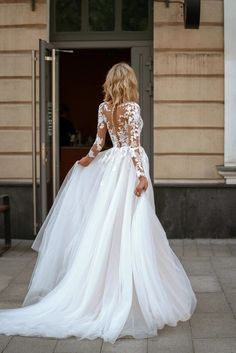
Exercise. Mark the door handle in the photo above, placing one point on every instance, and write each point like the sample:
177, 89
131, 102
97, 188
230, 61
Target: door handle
43, 153
149, 89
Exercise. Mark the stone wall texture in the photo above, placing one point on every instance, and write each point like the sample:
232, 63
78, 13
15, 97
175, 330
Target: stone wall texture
188, 94
188, 90
20, 30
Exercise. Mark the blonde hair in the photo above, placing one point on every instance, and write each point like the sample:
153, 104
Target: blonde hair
121, 84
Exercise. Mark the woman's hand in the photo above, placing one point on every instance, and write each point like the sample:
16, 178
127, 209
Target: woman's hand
85, 161
142, 185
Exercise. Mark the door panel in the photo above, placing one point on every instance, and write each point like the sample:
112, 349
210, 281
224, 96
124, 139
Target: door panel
49, 156
141, 61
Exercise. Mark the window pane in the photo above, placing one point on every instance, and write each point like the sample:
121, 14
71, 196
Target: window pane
101, 15
68, 15
135, 15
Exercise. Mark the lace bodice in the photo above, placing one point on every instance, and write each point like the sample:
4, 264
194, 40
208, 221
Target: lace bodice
124, 128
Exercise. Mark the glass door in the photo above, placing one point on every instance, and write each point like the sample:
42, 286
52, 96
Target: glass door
49, 125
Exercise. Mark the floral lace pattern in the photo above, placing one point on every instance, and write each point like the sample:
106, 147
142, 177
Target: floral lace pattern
124, 129
101, 134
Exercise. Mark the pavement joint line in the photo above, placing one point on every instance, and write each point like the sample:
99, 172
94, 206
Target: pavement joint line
101, 346
12, 280
11, 338
223, 291
191, 335
54, 349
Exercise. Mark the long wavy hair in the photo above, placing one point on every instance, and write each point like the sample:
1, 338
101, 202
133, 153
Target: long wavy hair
121, 85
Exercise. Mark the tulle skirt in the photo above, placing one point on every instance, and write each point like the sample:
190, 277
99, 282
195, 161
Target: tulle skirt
104, 266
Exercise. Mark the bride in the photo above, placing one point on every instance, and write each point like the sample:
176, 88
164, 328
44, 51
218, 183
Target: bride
104, 266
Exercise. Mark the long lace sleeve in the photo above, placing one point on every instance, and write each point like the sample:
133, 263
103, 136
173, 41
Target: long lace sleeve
101, 134
135, 124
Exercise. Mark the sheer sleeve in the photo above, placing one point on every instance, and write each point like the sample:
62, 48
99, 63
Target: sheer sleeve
101, 134
135, 125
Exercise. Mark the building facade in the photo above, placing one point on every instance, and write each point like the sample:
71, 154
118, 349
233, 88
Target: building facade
186, 79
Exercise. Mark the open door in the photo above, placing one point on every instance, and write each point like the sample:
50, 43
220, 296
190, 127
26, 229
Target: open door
49, 125
141, 61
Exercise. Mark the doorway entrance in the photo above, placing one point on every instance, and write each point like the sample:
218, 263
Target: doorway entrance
71, 78
81, 76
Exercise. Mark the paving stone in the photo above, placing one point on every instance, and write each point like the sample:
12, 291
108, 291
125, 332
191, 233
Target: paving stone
204, 247
221, 263
232, 248
20, 344
205, 250
24, 276
227, 278
176, 242
125, 345
231, 298
202, 240
209, 325
4, 281
178, 250
212, 303
4, 340
172, 339
154, 348
14, 292
221, 250
190, 248
218, 241
73, 345
9, 304
197, 266
219, 345
11, 268
205, 283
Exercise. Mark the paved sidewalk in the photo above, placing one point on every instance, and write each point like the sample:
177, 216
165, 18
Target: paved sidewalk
211, 266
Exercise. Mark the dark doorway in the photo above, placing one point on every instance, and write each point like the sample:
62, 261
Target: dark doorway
82, 74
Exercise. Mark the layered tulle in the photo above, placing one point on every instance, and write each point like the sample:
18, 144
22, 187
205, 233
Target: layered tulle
104, 266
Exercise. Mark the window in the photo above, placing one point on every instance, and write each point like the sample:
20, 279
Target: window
101, 15
68, 15
105, 19
135, 15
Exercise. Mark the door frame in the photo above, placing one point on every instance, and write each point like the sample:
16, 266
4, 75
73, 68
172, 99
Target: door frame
147, 134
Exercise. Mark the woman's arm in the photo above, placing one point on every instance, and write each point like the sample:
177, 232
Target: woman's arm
99, 140
134, 131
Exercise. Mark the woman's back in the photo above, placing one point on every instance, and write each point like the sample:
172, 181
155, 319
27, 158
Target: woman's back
124, 124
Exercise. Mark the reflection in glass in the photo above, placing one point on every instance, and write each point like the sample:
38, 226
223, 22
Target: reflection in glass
101, 15
68, 15
135, 15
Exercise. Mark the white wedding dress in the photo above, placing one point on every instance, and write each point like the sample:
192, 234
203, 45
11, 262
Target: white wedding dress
104, 266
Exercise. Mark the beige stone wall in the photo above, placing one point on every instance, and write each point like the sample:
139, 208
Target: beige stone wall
188, 90
188, 94
20, 30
